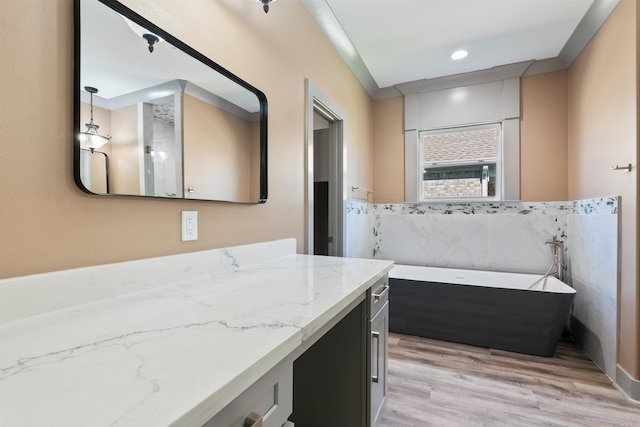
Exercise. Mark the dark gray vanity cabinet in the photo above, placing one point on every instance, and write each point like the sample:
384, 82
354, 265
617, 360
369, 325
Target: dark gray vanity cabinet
341, 380
329, 379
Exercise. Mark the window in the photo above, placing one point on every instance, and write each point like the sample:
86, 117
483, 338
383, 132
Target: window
461, 163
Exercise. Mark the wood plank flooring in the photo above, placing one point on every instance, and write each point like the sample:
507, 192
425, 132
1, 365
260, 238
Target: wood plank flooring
437, 383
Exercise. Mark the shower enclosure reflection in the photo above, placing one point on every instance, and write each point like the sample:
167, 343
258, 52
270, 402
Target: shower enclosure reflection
162, 140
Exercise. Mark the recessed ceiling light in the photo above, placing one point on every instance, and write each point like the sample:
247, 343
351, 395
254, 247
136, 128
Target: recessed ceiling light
459, 54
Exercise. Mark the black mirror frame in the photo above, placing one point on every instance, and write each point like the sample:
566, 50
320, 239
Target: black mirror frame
133, 16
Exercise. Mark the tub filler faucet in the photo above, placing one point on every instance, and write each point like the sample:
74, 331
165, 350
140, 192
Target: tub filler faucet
557, 250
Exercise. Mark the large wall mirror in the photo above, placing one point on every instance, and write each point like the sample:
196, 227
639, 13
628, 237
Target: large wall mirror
155, 118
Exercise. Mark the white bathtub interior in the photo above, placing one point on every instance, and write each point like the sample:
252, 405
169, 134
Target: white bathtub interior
489, 279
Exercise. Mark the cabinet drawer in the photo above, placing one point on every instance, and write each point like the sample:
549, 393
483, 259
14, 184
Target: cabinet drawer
270, 397
379, 296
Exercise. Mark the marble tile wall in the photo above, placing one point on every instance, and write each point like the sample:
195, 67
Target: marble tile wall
508, 236
363, 228
592, 269
505, 236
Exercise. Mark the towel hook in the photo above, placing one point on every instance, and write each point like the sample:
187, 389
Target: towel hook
621, 168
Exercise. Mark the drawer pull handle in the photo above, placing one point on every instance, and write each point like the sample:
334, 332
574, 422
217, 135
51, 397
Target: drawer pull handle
376, 336
385, 290
253, 420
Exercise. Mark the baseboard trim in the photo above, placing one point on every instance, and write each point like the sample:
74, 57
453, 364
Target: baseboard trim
627, 384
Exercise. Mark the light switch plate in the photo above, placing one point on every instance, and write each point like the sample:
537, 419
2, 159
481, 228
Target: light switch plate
189, 225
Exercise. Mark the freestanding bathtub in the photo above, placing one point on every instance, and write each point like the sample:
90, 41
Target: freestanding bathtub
487, 309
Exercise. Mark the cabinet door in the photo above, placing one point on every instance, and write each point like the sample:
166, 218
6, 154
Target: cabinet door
330, 378
379, 355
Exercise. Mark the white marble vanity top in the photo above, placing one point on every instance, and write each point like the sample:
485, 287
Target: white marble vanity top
166, 341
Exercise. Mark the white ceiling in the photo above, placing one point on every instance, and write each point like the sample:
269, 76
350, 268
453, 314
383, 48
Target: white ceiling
399, 41
385, 42
116, 61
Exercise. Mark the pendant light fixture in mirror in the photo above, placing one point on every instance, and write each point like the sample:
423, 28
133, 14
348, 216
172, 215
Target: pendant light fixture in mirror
142, 32
265, 4
91, 138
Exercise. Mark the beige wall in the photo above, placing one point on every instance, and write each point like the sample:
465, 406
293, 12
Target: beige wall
216, 152
388, 150
603, 131
543, 137
46, 223
125, 150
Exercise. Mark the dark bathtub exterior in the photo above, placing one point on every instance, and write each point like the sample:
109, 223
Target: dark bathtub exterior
515, 320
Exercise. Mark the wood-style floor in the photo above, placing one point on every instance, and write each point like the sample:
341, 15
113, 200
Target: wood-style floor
437, 383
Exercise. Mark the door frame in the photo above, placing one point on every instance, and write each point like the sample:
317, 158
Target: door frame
318, 102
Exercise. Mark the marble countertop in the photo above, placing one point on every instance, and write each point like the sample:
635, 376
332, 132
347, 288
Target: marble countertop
175, 353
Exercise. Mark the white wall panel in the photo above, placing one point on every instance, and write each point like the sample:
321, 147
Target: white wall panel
460, 105
411, 153
511, 159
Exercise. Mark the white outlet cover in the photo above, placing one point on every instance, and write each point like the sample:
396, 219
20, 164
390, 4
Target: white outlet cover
189, 225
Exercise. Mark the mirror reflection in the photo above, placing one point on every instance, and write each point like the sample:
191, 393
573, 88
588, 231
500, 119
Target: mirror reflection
155, 118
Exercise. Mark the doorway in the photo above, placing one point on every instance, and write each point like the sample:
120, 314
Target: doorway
326, 194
